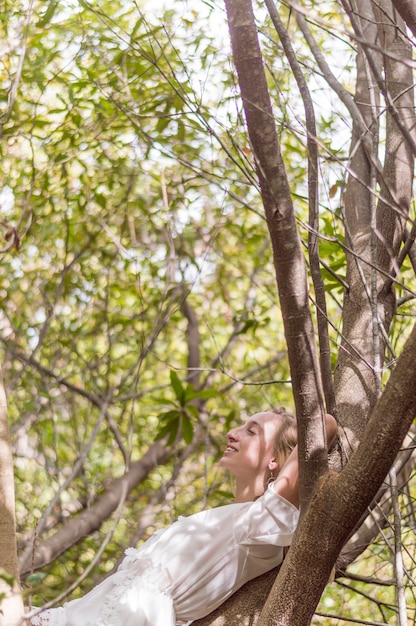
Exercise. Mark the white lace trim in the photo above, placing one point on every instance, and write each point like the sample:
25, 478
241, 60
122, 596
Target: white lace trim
140, 566
50, 617
132, 572
136, 570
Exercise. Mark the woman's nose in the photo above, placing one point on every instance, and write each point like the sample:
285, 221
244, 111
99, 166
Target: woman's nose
232, 435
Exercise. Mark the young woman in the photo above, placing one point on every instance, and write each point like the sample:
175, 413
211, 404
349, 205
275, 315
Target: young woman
187, 570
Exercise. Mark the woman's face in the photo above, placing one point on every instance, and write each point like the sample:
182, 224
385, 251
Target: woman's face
250, 449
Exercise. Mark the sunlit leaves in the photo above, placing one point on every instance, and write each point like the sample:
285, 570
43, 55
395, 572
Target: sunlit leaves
129, 180
115, 183
181, 418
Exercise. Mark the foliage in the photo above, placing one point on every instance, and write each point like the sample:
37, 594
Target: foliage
368, 592
127, 189
119, 203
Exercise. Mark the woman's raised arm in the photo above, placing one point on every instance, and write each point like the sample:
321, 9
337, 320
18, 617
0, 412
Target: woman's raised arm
287, 481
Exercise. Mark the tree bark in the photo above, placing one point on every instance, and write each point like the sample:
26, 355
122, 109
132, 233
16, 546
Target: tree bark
11, 605
336, 505
374, 228
397, 178
378, 516
313, 202
245, 606
407, 10
341, 499
355, 378
288, 257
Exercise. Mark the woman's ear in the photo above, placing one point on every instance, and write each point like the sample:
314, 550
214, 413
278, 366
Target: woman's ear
273, 464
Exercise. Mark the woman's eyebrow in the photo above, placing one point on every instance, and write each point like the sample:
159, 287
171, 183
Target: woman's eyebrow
254, 423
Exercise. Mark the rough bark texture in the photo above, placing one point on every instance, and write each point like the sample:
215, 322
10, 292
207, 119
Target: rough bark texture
380, 509
313, 202
397, 179
407, 10
355, 381
374, 229
12, 605
341, 499
287, 251
245, 606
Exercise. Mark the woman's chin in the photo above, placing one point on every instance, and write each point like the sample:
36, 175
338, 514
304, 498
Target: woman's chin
224, 462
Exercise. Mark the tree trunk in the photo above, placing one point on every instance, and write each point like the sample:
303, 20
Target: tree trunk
337, 504
407, 9
355, 379
245, 606
11, 605
289, 262
374, 228
341, 499
380, 509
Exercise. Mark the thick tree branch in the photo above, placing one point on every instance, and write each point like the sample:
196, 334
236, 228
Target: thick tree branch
313, 199
376, 516
340, 500
393, 109
407, 10
10, 594
287, 250
91, 519
245, 606
192, 335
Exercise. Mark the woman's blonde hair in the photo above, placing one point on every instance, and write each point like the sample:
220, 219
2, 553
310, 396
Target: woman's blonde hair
287, 436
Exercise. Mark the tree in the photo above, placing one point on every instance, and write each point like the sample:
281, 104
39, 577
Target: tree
10, 595
138, 285
377, 204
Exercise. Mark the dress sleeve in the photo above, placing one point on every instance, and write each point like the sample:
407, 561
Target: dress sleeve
269, 520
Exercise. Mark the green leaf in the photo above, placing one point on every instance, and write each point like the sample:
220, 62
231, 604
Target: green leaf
187, 429
170, 429
7, 578
177, 387
162, 123
47, 17
169, 416
249, 324
192, 409
180, 135
36, 578
205, 394
189, 392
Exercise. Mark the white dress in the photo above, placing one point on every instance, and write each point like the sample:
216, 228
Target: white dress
187, 570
